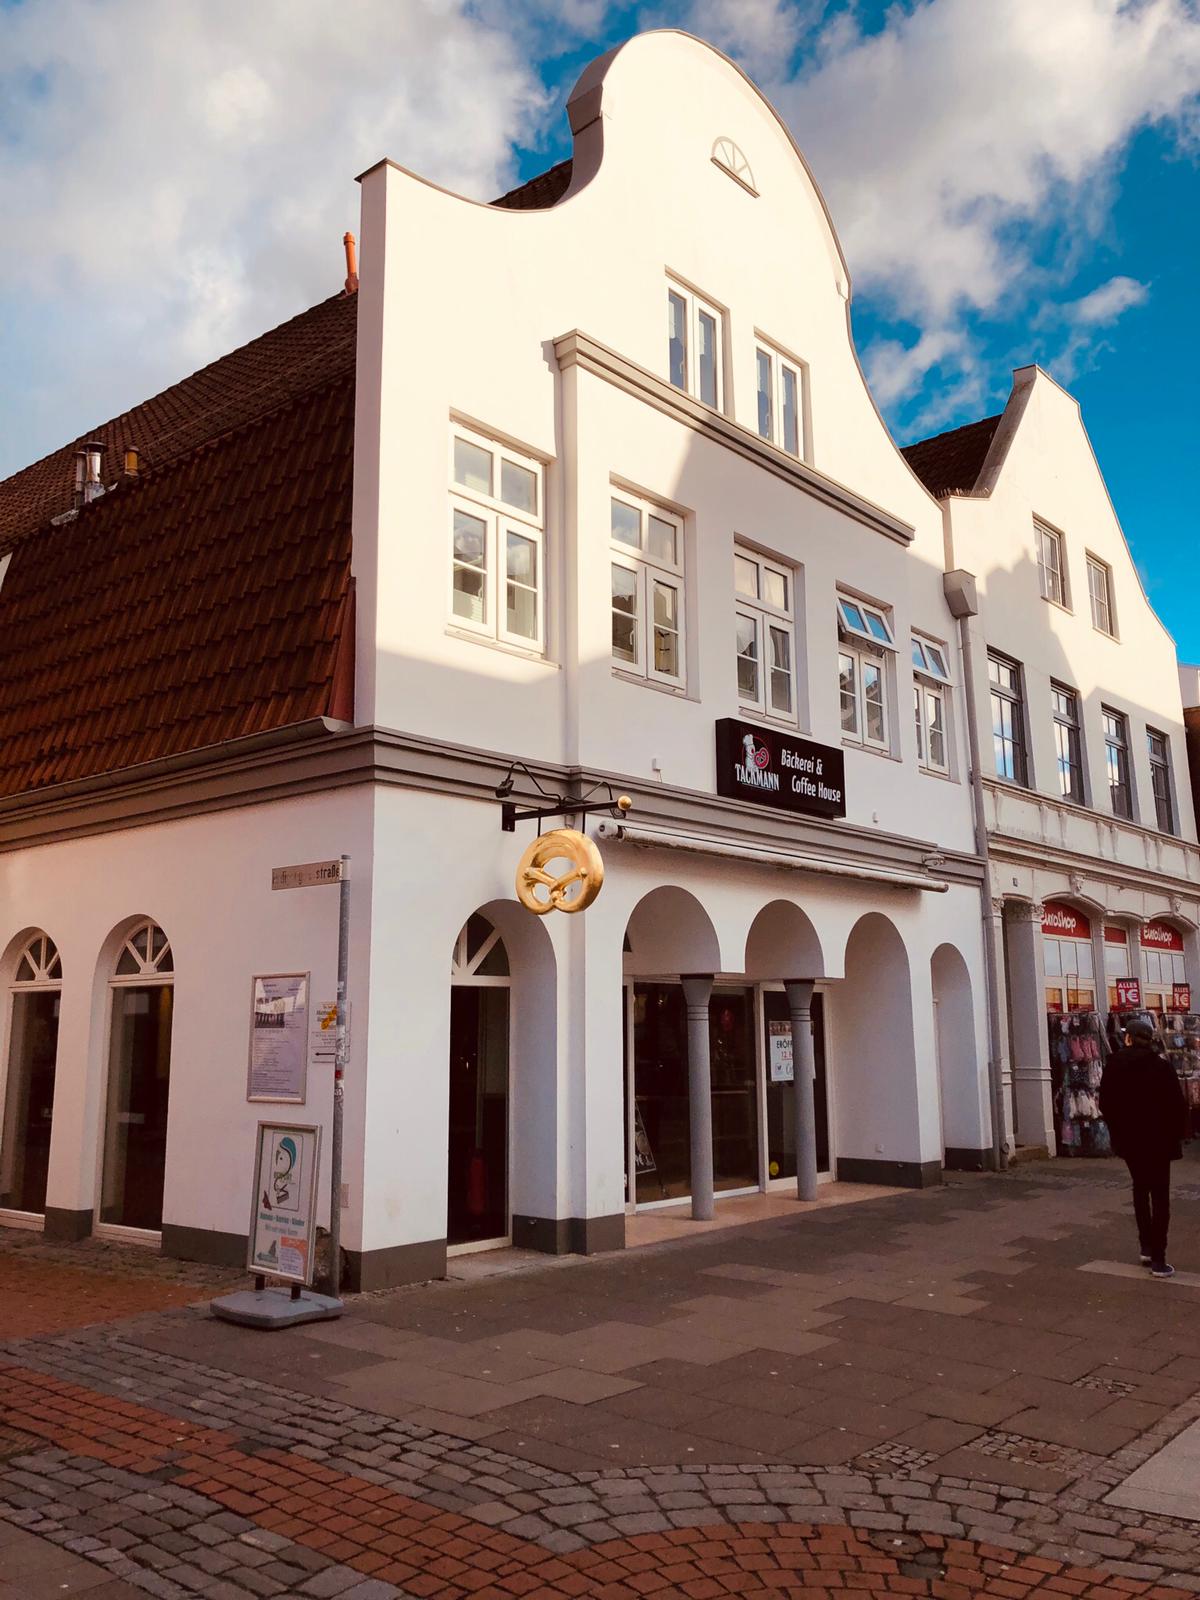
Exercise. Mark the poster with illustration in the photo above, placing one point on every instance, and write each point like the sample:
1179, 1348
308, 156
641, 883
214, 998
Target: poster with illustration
279, 1038
779, 1038
283, 1220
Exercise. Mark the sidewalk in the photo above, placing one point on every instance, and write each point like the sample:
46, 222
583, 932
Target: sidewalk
925, 1394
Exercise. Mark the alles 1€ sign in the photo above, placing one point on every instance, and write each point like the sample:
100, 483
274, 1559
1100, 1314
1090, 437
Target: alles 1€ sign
775, 769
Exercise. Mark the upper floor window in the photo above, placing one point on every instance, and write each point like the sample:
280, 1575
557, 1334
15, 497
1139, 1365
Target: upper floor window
1100, 593
765, 599
865, 641
647, 590
694, 338
1008, 718
1051, 571
1068, 749
1116, 758
497, 525
1160, 779
780, 400
930, 678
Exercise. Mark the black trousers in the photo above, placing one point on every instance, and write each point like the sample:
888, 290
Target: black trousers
1151, 1177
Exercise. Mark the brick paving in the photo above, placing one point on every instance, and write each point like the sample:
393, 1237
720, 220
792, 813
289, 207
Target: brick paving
919, 1396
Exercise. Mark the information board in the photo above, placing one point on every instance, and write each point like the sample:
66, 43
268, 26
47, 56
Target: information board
279, 1038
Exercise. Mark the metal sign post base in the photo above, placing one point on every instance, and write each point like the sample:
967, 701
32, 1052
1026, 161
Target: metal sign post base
277, 1307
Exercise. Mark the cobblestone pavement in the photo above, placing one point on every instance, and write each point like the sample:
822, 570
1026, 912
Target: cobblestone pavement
921, 1395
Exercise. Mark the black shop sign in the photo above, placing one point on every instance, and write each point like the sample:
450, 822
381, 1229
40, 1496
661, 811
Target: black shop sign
774, 769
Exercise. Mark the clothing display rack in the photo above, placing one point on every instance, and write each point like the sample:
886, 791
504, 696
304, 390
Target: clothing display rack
1078, 1049
1181, 1040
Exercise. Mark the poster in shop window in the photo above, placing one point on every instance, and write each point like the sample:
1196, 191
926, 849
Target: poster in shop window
279, 1038
283, 1219
1129, 994
643, 1153
779, 1048
1181, 996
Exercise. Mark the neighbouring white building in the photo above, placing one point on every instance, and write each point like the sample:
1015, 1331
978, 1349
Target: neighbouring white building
581, 492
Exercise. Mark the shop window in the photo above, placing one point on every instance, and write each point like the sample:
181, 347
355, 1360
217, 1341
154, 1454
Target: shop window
1116, 757
647, 591
695, 334
865, 643
1008, 718
139, 1076
1067, 954
1068, 748
29, 1078
766, 667
1118, 962
931, 703
1159, 749
1163, 961
780, 393
1101, 596
1052, 574
497, 580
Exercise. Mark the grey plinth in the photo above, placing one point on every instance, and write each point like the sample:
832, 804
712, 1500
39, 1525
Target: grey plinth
275, 1308
697, 987
799, 993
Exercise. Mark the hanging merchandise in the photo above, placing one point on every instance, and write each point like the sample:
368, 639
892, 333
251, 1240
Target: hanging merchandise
1078, 1049
1181, 1039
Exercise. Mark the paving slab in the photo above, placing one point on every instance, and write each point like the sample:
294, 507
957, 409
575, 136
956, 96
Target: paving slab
1169, 1483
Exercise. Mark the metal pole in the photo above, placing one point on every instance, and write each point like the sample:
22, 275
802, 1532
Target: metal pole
804, 1071
339, 1074
696, 991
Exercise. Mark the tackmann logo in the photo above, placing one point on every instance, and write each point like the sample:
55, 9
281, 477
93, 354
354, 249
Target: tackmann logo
752, 768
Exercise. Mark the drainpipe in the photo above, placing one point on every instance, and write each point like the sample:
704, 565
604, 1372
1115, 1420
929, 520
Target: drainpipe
963, 600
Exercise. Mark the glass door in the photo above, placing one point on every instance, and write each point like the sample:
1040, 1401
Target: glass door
135, 1127
29, 1100
734, 1089
781, 1098
478, 1156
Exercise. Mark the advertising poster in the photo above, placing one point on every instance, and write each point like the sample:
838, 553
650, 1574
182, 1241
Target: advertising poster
1129, 993
283, 1221
279, 1038
1181, 996
643, 1154
779, 1042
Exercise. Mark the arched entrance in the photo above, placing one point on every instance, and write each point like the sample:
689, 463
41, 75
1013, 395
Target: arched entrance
954, 1039
139, 1079
480, 987
28, 1083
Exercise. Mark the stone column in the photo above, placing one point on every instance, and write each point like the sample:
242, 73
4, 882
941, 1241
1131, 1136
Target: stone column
998, 983
697, 987
799, 993
1032, 1088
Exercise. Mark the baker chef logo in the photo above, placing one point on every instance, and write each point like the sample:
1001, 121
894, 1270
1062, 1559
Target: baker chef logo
756, 755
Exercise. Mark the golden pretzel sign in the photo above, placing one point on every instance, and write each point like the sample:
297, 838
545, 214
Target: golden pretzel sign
574, 888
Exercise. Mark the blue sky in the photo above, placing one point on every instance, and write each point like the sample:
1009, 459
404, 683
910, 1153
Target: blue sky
1021, 191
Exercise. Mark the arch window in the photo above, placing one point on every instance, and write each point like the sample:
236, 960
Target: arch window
139, 1077
29, 1081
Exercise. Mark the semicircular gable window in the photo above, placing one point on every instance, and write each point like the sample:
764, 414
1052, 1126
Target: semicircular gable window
729, 157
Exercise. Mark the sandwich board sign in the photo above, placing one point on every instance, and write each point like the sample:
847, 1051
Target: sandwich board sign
283, 1222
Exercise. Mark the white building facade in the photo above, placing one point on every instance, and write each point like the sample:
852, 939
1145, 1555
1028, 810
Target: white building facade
625, 521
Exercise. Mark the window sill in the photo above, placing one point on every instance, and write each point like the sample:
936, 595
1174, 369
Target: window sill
1105, 633
870, 750
676, 691
536, 657
936, 772
1059, 605
780, 724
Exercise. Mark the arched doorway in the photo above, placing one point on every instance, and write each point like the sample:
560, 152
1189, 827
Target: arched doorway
29, 1078
480, 987
139, 1076
963, 1136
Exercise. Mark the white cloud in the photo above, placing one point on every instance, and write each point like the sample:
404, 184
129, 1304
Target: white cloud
178, 178
1106, 303
895, 370
761, 34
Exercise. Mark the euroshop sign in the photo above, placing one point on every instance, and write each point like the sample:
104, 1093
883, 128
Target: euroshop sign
1161, 936
1064, 922
774, 769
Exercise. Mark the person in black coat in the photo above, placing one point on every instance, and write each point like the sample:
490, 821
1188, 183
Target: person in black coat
1143, 1103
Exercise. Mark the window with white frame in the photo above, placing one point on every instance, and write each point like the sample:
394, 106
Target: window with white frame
1100, 593
647, 590
1159, 751
780, 385
1051, 571
694, 339
931, 678
764, 593
1116, 761
1006, 687
498, 580
865, 640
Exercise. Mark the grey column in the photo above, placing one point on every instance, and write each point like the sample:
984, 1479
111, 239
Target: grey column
1032, 1088
799, 993
697, 987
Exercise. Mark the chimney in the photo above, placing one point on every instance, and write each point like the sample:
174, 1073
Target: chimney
92, 487
131, 462
351, 264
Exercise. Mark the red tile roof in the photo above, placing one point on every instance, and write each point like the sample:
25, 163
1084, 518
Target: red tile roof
540, 192
206, 600
950, 463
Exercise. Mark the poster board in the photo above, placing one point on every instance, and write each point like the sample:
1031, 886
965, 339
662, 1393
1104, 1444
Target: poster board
1129, 993
779, 1046
278, 1066
283, 1220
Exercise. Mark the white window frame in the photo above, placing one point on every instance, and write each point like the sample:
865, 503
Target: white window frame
764, 615
650, 570
1095, 565
931, 681
696, 305
779, 364
498, 516
1052, 575
851, 607
858, 642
